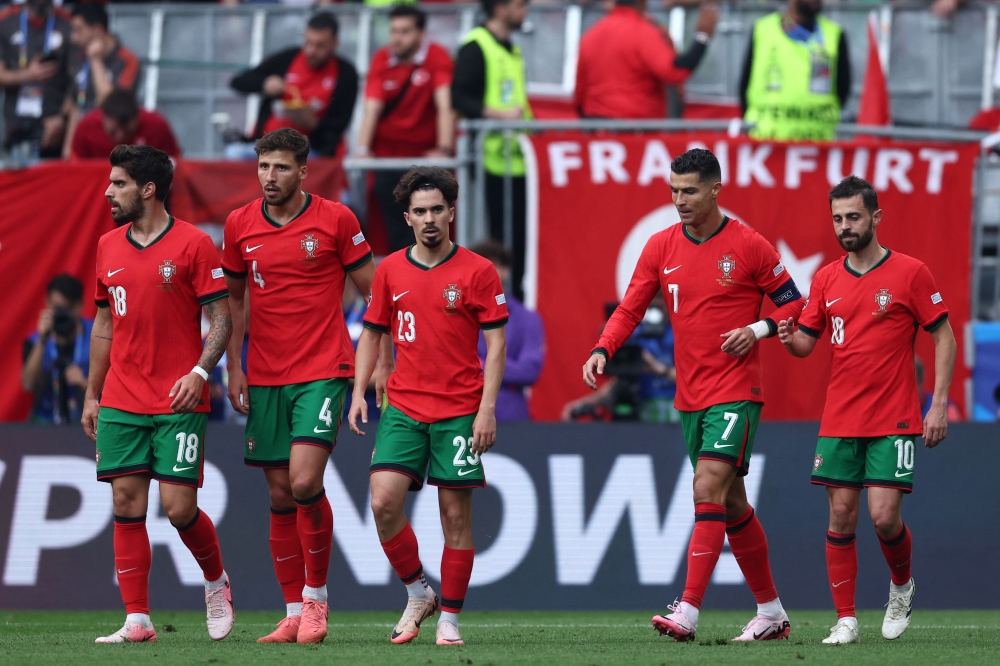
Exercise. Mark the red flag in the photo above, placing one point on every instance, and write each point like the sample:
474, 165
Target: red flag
874, 109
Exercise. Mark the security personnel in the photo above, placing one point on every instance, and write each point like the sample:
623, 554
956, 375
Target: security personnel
797, 74
489, 82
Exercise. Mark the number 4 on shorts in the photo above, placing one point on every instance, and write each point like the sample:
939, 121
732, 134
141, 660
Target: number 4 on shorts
325, 415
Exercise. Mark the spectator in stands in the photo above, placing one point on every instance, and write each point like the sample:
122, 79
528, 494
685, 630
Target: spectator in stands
490, 82
33, 75
57, 355
626, 61
796, 75
407, 110
525, 342
98, 63
121, 120
309, 89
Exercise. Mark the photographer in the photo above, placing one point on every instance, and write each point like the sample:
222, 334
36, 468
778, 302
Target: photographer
57, 356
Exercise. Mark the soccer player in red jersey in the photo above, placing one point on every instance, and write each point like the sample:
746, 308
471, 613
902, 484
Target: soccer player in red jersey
297, 249
433, 299
713, 272
146, 406
872, 302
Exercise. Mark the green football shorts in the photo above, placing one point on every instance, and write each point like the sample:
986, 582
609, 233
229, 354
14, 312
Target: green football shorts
280, 416
865, 462
722, 432
440, 451
168, 447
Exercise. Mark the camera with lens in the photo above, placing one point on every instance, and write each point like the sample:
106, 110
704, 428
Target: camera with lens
63, 322
628, 365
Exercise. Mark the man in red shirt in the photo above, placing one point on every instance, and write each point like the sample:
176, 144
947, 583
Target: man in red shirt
873, 300
154, 277
713, 272
626, 61
297, 249
432, 299
407, 109
120, 120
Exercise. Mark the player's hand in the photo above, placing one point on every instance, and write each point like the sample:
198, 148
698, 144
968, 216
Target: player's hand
484, 431
786, 329
239, 393
935, 426
45, 320
91, 408
358, 408
594, 366
739, 341
274, 86
186, 393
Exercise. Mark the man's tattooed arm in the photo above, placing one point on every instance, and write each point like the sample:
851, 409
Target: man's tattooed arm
218, 333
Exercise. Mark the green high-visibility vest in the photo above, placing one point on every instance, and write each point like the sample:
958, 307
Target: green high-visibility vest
505, 89
792, 92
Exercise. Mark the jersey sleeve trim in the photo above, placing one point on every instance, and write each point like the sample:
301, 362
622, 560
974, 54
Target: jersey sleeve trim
936, 324
811, 332
489, 325
602, 351
102, 303
235, 274
350, 268
377, 328
214, 296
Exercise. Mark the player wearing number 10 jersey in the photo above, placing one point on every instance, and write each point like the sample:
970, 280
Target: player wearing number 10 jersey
146, 406
294, 251
870, 303
713, 272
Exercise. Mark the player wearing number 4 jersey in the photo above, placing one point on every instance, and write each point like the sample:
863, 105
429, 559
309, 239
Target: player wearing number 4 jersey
713, 272
146, 406
870, 303
432, 299
294, 251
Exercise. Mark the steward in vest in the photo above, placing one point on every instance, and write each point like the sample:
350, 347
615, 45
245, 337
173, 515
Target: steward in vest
797, 74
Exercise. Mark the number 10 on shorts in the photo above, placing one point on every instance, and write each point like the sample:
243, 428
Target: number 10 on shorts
904, 453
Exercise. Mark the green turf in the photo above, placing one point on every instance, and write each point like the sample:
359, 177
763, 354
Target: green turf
935, 637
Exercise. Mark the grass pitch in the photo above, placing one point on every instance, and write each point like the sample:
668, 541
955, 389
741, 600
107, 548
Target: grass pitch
500, 638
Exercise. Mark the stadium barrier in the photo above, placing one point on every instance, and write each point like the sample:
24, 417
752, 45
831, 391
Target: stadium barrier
574, 517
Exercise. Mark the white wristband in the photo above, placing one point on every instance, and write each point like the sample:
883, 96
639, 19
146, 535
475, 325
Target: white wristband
702, 38
200, 371
760, 329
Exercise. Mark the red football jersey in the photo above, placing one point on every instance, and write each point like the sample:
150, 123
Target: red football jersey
296, 276
873, 319
434, 316
710, 287
155, 294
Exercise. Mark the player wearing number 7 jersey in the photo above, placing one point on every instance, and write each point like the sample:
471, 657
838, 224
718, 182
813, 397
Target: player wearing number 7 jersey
433, 299
871, 303
146, 406
296, 249
713, 272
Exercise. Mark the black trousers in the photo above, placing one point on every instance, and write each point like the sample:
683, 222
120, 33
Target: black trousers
399, 233
519, 216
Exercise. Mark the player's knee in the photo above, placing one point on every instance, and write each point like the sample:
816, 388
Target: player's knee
179, 514
305, 486
843, 517
385, 508
455, 521
128, 504
707, 488
281, 498
887, 523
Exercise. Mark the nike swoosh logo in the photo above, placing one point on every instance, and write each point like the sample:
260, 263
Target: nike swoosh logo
724, 446
705, 553
318, 431
756, 637
841, 583
313, 552
668, 271
282, 559
110, 273
396, 298
463, 472
181, 469
898, 475
251, 249
121, 571
829, 303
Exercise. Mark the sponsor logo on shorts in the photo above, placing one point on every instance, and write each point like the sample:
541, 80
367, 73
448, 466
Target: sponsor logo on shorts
724, 446
182, 469
463, 472
817, 463
899, 476
318, 431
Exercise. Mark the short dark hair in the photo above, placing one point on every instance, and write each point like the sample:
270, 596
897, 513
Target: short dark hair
852, 186
700, 161
627, 3
494, 251
324, 21
489, 6
92, 14
426, 178
68, 286
284, 139
145, 164
121, 106
403, 11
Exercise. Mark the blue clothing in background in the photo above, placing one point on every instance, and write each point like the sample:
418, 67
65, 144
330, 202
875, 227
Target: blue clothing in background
44, 409
525, 356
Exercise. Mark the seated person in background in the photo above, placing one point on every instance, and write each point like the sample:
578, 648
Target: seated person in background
120, 120
309, 89
57, 355
525, 342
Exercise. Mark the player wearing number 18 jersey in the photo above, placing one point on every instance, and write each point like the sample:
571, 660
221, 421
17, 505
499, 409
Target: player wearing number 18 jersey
870, 304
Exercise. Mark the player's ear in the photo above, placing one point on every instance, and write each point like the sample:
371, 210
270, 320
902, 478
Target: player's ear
303, 172
148, 190
877, 217
716, 188
406, 216
451, 215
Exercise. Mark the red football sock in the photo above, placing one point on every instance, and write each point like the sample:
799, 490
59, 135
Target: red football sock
404, 555
286, 551
749, 545
842, 570
315, 527
898, 552
456, 569
704, 549
133, 558
200, 538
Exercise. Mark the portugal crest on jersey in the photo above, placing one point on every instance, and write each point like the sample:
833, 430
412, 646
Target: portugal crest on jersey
168, 270
451, 294
817, 463
882, 300
251, 446
310, 244
727, 265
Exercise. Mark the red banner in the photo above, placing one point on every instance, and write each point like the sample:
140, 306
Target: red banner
594, 201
